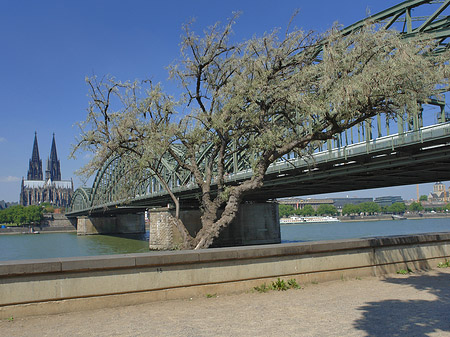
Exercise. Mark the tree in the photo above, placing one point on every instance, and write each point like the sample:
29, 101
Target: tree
369, 207
260, 99
307, 210
326, 210
285, 210
415, 207
350, 209
396, 208
22, 215
33, 214
48, 207
423, 198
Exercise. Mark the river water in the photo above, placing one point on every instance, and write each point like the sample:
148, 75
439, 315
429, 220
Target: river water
54, 245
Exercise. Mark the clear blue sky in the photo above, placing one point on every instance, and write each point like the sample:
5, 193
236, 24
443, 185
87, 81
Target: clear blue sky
48, 47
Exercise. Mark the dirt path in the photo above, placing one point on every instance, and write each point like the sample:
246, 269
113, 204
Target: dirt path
412, 305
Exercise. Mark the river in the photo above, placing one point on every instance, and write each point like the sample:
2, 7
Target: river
54, 245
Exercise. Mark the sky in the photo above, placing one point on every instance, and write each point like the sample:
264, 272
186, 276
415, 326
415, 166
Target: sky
47, 48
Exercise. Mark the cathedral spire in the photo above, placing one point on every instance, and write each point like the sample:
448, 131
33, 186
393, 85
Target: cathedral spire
53, 171
35, 164
53, 155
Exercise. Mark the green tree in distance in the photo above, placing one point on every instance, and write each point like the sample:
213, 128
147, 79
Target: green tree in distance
48, 207
265, 97
423, 198
415, 207
286, 210
308, 210
326, 210
369, 207
350, 209
21, 215
397, 208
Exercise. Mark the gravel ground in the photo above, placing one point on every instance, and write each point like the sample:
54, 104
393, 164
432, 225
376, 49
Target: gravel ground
417, 304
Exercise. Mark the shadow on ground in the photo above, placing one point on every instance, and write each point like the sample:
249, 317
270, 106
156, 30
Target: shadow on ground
410, 317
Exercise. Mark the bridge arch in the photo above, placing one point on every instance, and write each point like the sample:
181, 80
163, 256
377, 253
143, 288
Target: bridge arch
81, 199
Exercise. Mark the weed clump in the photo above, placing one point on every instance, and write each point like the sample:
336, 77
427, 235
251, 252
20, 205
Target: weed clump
445, 264
279, 285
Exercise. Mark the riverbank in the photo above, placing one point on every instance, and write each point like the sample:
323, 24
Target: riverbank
52, 223
411, 305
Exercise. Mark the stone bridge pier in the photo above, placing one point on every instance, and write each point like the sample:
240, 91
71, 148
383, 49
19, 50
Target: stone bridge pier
117, 224
255, 223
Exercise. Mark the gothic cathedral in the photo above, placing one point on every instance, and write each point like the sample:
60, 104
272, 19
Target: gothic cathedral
35, 190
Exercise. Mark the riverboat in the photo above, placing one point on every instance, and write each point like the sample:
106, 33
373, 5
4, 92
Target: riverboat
298, 220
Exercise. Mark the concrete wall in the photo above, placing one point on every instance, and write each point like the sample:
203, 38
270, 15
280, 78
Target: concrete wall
36, 287
255, 223
118, 224
56, 220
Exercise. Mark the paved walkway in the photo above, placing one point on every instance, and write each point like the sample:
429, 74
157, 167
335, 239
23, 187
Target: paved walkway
401, 305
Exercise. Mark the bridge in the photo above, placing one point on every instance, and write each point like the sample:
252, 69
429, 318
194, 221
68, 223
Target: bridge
373, 154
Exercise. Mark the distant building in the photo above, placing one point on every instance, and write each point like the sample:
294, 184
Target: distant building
388, 200
35, 190
299, 203
4, 204
339, 203
439, 194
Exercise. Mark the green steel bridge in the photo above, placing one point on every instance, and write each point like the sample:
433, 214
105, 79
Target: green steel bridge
376, 153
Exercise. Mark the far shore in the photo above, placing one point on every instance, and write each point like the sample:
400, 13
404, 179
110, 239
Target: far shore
26, 230
385, 217
409, 216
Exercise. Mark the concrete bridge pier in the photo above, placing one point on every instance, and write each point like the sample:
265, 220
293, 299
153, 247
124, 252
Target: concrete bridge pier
255, 223
118, 224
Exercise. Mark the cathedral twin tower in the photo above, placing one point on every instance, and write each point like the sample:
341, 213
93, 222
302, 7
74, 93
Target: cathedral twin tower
35, 190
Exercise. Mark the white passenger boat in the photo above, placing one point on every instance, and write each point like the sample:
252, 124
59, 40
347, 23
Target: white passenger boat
298, 220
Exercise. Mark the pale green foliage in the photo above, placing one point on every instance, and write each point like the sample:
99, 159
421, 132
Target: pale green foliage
261, 99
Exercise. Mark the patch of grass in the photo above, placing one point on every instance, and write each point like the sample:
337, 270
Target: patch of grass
404, 271
10, 319
358, 278
314, 282
211, 295
445, 264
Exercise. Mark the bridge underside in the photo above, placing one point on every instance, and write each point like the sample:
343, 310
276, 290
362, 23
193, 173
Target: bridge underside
404, 166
